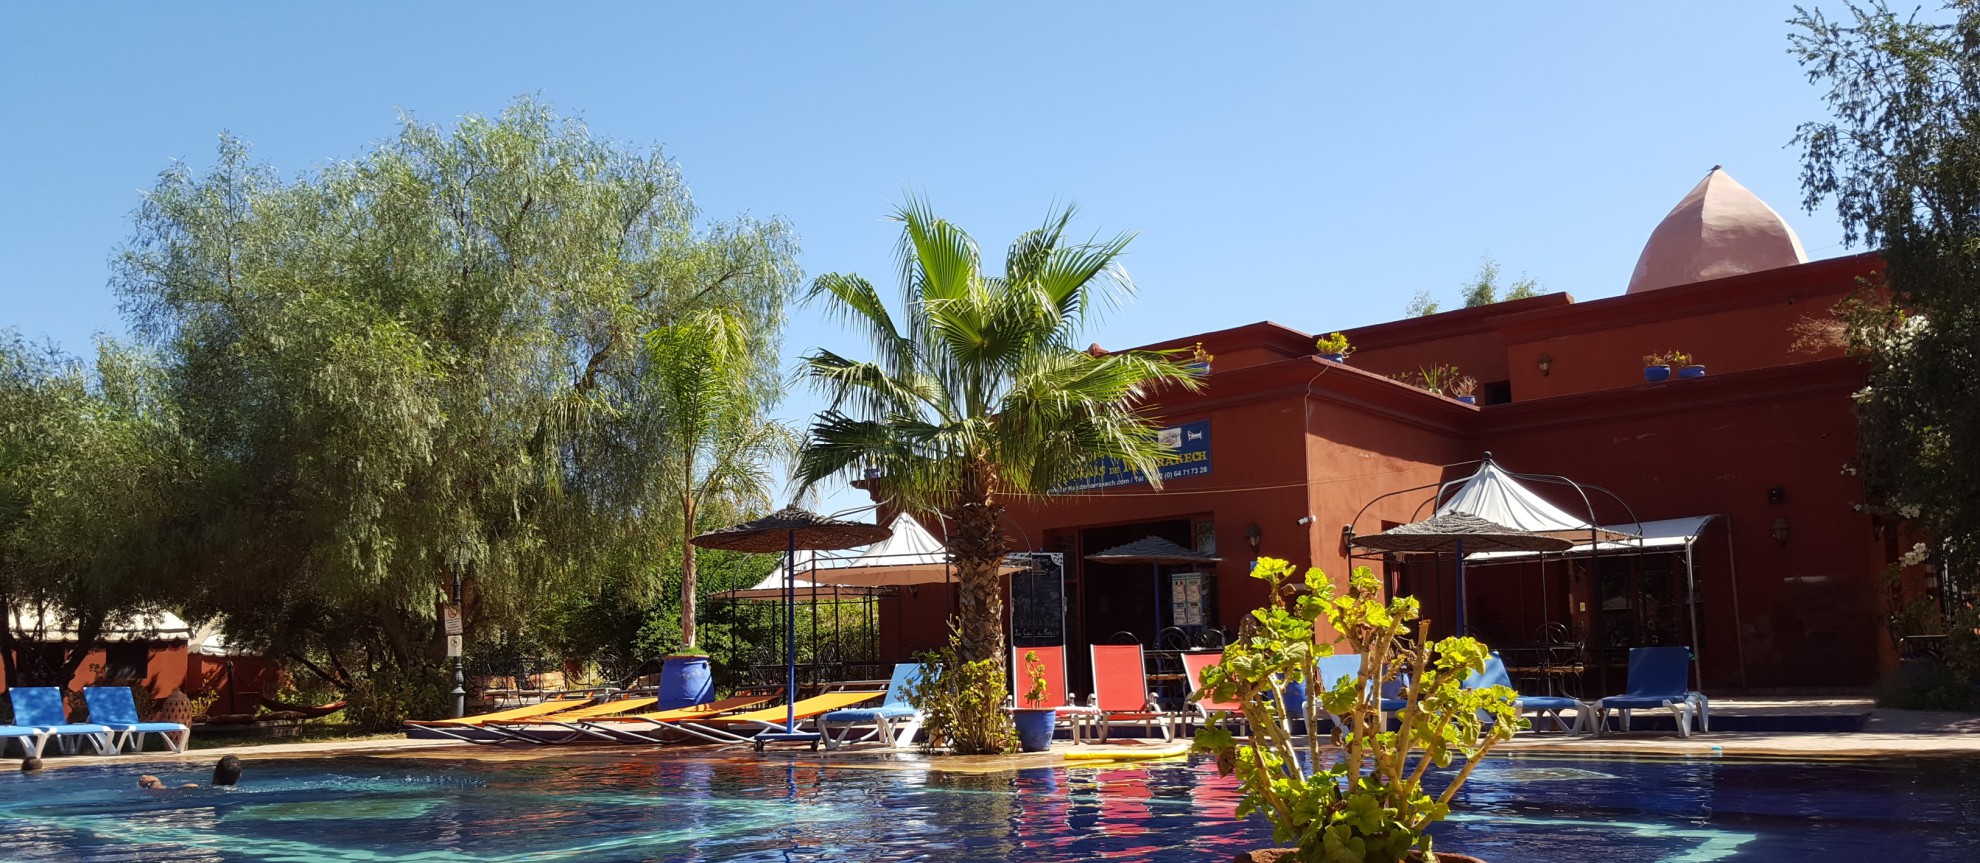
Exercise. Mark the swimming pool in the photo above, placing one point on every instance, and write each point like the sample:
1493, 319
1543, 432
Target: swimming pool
642, 806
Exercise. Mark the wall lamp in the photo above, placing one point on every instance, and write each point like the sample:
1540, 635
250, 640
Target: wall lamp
1546, 364
1781, 531
1253, 536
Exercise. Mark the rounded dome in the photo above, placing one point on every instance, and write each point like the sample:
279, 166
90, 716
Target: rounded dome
1720, 229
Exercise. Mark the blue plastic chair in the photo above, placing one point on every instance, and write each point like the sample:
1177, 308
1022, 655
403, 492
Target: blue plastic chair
1331, 669
894, 710
115, 707
40, 708
1541, 705
1659, 678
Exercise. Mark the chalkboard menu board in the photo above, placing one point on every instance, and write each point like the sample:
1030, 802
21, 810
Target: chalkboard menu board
1038, 600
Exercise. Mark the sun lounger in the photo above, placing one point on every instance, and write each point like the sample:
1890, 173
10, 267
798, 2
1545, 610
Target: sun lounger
743, 727
1209, 708
1057, 694
116, 708
1330, 670
1541, 705
635, 727
1121, 694
895, 709
1659, 679
32, 740
470, 730
40, 708
534, 730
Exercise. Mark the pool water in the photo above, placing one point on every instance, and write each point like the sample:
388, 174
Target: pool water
646, 807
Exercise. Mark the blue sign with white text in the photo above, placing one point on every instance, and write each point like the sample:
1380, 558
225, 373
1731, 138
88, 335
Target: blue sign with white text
1187, 449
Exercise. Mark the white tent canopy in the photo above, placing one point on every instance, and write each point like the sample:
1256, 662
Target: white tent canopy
1669, 534
1494, 495
911, 556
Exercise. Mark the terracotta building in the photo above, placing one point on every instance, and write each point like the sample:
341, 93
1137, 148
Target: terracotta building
1286, 448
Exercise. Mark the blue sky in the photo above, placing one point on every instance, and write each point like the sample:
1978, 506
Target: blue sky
1285, 162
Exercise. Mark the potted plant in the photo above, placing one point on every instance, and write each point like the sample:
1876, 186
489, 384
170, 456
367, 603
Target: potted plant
1035, 720
1465, 387
1362, 798
685, 680
1657, 367
1685, 367
1199, 360
1334, 347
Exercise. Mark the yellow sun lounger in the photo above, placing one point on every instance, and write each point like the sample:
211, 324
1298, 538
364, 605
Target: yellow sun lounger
632, 728
521, 729
717, 729
459, 728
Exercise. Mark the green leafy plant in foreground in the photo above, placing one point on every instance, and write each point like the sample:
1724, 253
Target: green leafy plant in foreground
1359, 796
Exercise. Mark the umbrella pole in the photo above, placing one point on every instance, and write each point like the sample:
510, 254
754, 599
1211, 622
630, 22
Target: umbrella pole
1155, 637
790, 631
1460, 588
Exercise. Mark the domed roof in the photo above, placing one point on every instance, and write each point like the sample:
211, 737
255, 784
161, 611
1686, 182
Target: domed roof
1720, 229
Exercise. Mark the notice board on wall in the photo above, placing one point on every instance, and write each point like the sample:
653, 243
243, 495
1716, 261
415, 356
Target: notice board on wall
1038, 600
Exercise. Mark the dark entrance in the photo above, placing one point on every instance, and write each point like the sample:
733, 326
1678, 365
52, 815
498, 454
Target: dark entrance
1117, 603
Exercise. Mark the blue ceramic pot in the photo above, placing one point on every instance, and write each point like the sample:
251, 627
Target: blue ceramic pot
1691, 372
1470, 400
1334, 358
1034, 728
1656, 374
684, 682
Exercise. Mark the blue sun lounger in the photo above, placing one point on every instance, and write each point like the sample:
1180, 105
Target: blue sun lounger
1541, 705
40, 708
895, 710
115, 708
1659, 679
32, 739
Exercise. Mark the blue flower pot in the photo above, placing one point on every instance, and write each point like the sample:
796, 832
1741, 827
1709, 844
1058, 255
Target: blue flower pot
1334, 358
1470, 400
1691, 372
1656, 374
1034, 728
684, 682
1295, 705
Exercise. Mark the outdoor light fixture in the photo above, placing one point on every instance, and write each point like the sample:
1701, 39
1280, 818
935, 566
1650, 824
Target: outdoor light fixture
1546, 364
1781, 531
1252, 535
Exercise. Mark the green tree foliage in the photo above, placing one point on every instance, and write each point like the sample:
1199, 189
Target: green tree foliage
1482, 289
429, 363
1900, 158
978, 389
91, 466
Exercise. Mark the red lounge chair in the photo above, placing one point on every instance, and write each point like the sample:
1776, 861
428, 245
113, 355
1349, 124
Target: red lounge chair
1193, 665
1053, 661
1120, 691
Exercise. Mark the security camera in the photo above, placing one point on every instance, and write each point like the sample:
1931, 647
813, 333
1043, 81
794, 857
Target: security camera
1305, 520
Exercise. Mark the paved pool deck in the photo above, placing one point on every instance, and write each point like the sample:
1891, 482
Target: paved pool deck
1887, 733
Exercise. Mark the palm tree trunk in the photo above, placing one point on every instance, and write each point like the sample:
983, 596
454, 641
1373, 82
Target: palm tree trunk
978, 547
688, 580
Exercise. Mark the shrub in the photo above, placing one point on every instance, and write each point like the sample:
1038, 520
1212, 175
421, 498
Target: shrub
1363, 799
389, 697
962, 702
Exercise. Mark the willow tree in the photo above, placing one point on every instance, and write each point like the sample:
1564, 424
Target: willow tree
978, 389
1900, 158
416, 368
91, 469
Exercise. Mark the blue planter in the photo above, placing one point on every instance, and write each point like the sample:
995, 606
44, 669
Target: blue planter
1470, 400
684, 682
1295, 705
1334, 358
1691, 372
1034, 728
1656, 374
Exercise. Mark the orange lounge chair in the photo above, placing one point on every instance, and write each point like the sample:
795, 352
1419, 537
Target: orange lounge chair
465, 727
1193, 665
724, 729
631, 728
1120, 691
529, 730
1053, 661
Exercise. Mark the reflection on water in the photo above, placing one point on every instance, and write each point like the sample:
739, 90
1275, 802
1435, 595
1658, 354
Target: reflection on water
646, 808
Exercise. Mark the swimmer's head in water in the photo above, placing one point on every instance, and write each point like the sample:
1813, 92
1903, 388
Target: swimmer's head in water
228, 771
150, 782
30, 764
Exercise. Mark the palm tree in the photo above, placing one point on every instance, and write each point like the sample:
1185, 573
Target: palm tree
716, 444
979, 391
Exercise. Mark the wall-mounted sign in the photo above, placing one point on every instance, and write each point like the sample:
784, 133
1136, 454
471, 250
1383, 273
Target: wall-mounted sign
1188, 454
